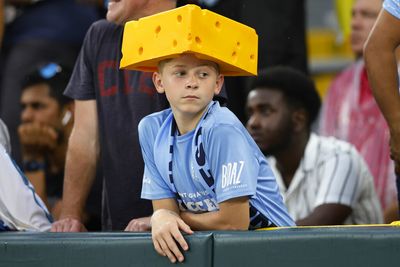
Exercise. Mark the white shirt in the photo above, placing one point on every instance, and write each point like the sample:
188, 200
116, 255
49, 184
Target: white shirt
331, 172
4, 137
20, 208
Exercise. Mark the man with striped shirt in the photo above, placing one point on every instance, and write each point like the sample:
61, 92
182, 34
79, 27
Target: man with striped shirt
323, 181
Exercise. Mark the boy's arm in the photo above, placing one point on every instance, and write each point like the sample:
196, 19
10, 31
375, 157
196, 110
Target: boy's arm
166, 224
233, 214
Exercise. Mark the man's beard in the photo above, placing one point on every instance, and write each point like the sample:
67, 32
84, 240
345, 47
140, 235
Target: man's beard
283, 142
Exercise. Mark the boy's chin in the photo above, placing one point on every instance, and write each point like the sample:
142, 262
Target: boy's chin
192, 109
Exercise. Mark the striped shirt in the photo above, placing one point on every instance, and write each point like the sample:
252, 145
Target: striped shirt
331, 172
393, 7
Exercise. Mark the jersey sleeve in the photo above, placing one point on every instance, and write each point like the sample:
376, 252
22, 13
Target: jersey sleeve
393, 7
233, 164
341, 183
153, 185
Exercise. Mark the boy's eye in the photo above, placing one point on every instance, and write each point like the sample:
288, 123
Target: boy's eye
203, 74
179, 73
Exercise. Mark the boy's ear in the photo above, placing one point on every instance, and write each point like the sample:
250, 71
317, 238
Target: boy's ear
218, 84
158, 82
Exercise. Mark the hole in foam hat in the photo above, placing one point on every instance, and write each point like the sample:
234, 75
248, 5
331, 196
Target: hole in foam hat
218, 24
174, 43
140, 50
179, 18
198, 40
234, 56
252, 57
158, 29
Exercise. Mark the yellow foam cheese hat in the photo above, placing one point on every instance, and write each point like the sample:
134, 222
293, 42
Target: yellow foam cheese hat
190, 29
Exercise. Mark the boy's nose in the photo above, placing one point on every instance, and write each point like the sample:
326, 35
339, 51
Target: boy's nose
191, 83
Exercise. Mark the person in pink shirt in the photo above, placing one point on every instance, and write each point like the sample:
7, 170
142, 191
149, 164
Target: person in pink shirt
350, 112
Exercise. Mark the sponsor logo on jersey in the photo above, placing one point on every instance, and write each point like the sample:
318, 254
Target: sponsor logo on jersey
207, 204
231, 173
197, 202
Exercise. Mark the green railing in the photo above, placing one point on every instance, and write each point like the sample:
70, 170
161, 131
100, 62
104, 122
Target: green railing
294, 247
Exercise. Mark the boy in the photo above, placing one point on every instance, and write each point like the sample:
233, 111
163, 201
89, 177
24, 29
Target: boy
203, 171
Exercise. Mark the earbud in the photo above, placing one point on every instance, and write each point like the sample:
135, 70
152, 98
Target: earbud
66, 118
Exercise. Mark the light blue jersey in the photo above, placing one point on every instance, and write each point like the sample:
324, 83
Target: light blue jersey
393, 7
215, 162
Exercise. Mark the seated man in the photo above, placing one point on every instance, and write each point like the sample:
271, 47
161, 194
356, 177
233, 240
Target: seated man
324, 181
20, 207
46, 125
47, 119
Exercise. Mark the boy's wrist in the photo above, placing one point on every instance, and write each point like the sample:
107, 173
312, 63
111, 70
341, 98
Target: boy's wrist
160, 211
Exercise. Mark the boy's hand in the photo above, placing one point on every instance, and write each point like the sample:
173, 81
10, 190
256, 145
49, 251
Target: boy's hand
165, 234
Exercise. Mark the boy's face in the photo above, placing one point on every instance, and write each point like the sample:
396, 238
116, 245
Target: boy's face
189, 84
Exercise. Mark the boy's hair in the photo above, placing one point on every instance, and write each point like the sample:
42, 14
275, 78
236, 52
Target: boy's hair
162, 63
298, 89
52, 74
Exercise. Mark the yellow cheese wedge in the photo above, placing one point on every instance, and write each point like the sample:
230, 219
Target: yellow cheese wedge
190, 29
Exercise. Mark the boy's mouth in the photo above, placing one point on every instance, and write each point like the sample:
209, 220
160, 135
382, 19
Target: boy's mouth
191, 97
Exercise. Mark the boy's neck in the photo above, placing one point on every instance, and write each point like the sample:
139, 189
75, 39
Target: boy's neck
186, 122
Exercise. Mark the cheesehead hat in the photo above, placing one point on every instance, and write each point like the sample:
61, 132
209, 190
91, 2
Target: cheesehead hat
190, 29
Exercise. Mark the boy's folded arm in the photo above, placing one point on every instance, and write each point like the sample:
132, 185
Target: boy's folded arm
166, 203
233, 214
